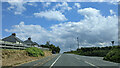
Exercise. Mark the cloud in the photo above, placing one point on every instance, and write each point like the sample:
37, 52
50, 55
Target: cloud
93, 30
32, 4
77, 5
112, 12
62, 6
18, 6
36, 32
46, 4
11, 7
87, 12
51, 15
63, 0
114, 2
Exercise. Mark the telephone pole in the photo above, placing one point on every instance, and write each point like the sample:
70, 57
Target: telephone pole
112, 43
70, 47
78, 42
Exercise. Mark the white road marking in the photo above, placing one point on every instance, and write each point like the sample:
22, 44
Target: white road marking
91, 64
77, 58
55, 61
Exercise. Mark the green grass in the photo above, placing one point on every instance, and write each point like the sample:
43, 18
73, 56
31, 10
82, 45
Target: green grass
35, 52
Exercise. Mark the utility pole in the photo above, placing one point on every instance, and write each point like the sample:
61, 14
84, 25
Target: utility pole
112, 43
78, 42
70, 47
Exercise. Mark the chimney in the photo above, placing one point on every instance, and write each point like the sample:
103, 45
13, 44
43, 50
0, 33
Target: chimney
29, 38
14, 34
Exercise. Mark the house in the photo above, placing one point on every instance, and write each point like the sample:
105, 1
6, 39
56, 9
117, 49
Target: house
30, 42
12, 38
36, 44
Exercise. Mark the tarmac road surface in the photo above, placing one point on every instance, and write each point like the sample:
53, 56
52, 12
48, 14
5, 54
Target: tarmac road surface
72, 61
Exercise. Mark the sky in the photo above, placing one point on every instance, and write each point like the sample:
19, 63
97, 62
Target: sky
94, 23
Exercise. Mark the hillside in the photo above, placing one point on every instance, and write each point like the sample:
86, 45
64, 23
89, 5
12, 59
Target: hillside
12, 57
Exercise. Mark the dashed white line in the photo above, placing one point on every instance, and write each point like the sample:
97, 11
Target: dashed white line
88, 63
91, 64
55, 61
77, 58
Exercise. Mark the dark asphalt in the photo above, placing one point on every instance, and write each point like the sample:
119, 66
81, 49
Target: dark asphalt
74, 61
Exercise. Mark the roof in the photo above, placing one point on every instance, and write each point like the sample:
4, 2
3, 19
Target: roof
36, 43
12, 38
29, 42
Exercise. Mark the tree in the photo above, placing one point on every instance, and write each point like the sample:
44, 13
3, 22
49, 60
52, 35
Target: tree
58, 49
51, 47
47, 43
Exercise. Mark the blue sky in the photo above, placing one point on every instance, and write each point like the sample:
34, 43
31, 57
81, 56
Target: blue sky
55, 17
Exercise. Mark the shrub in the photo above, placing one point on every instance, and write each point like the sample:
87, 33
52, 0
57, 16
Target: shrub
35, 52
100, 53
113, 55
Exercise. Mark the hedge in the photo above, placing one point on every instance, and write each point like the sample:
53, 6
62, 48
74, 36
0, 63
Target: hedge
113, 55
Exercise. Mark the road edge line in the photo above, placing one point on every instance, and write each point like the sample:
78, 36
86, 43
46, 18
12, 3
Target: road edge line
54, 61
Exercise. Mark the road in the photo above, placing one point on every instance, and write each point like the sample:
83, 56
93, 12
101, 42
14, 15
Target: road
71, 60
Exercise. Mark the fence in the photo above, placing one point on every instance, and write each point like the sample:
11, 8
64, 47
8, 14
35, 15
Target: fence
10, 45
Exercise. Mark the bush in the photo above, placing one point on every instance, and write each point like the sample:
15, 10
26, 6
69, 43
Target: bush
35, 52
94, 51
100, 53
113, 55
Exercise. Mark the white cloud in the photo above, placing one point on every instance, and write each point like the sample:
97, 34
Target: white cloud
63, 6
32, 4
112, 12
63, 0
77, 5
11, 7
51, 15
93, 30
36, 32
18, 6
46, 4
114, 2
87, 12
